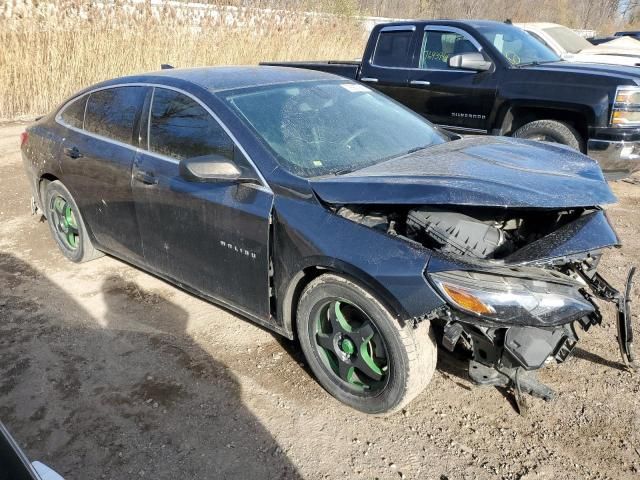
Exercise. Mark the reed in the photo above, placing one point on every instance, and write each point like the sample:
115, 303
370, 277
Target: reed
49, 51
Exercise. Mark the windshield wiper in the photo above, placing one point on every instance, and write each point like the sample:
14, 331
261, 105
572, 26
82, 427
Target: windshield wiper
536, 62
344, 171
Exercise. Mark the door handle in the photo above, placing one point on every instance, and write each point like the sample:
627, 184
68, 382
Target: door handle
420, 82
72, 152
369, 79
145, 177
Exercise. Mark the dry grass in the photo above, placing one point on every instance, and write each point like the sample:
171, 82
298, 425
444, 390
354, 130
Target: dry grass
47, 54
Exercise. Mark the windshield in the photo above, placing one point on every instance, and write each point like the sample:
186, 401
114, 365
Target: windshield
517, 46
331, 127
568, 39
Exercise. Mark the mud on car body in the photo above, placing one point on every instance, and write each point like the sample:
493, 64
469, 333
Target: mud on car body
333, 215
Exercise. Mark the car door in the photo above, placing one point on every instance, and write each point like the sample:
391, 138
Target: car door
97, 159
451, 97
386, 69
210, 237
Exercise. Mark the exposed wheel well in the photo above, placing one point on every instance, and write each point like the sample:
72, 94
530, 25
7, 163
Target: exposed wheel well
45, 180
517, 116
299, 282
292, 296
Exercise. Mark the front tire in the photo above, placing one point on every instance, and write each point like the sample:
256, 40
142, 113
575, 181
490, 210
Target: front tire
67, 225
551, 131
358, 351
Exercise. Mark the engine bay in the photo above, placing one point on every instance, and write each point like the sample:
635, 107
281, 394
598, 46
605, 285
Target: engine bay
565, 243
482, 233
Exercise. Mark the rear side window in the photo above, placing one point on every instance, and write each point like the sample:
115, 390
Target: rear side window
113, 112
392, 48
181, 128
438, 47
73, 114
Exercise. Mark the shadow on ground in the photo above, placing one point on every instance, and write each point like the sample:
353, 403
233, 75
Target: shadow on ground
131, 398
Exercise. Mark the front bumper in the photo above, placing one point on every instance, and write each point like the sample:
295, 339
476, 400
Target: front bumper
617, 159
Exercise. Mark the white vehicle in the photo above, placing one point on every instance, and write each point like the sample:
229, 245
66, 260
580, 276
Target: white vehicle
572, 47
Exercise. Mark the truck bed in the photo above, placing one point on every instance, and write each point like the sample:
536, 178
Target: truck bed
348, 69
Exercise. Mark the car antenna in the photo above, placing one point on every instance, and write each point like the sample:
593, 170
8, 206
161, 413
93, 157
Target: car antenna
166, 66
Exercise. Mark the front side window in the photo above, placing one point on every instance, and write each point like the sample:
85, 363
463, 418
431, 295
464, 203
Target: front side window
438, 47
516, 45
113, 112
181, 128
330, 127
73, 114
392, 48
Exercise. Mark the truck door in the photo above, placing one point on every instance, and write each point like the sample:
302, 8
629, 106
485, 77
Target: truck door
385, 64
454, 98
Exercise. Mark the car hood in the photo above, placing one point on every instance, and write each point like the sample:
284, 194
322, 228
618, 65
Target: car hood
491, 171
628, 60
618, 46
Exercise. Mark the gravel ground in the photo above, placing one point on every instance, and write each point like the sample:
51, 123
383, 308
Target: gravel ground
107, 372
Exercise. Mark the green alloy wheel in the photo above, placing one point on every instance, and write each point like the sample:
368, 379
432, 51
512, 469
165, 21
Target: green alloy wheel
66, 224
351, 346
359, 351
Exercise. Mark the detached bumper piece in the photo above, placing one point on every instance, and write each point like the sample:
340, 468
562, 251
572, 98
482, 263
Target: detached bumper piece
508, 356
622, 300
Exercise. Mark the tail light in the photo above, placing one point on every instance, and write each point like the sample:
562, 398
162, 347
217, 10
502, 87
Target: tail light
24, 137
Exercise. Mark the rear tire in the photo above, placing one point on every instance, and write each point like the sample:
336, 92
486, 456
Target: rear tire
67, 225
403, 356
551, 131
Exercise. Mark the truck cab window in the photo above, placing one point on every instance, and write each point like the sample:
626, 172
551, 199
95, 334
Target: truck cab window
438, 47
392, 48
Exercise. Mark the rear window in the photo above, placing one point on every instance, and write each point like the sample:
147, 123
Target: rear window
113, 112
392, 48
73, 114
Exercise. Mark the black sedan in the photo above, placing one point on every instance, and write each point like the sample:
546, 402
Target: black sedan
329, 213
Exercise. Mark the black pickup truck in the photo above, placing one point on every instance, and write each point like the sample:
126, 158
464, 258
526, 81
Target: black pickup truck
485, 77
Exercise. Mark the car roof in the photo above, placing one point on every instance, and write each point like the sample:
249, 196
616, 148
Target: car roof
216, 79
445, 22
540, 25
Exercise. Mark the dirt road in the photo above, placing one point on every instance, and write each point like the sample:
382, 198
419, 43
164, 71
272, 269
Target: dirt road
109, 373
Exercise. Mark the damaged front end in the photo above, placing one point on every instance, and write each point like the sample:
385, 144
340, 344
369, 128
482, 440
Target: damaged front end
519, 284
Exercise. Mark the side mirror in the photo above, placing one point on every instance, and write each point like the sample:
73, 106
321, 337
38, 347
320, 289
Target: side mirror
470, 61
211, 169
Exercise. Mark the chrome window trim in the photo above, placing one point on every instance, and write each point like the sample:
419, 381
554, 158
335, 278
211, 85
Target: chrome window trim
398, 28
58, 118
464, 33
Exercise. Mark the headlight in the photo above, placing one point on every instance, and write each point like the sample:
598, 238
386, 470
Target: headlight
511, 300
626, 108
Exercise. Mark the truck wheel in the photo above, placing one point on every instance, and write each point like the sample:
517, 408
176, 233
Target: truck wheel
358, 351
551, 131
67, 225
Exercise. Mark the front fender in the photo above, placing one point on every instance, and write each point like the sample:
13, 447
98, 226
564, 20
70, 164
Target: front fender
308, 237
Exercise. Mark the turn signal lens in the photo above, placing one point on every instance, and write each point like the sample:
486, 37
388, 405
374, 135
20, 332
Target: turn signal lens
24, 136
467, 301
624, 117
